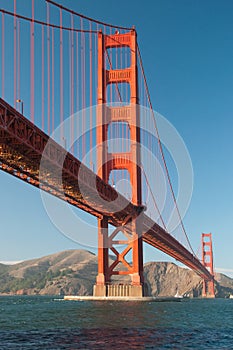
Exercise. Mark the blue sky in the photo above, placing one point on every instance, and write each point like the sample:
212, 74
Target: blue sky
187, 52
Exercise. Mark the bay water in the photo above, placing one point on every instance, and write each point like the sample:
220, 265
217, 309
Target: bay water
48, 322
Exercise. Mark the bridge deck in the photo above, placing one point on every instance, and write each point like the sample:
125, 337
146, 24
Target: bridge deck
21, 147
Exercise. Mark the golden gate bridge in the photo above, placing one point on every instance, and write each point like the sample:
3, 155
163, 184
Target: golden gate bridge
76, 120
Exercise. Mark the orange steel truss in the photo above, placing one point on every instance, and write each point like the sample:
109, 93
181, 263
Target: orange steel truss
207, 258
130, 161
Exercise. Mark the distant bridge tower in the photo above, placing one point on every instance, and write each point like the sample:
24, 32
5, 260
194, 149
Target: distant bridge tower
108, 162
207, 258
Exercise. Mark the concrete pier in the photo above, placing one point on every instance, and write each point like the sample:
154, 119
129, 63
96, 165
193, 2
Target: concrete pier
114, 298
118, 290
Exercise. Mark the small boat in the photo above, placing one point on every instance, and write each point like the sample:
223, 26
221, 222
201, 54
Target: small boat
231, 296
177, 295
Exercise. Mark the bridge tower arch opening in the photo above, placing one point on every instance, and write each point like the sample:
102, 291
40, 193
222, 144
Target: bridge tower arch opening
109, 161
207, 259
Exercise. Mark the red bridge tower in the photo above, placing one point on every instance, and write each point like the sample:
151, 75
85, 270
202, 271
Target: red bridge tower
107, 162
207, 258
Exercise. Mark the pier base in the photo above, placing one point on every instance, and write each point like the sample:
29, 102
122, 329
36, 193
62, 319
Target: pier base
121, 299
118, 290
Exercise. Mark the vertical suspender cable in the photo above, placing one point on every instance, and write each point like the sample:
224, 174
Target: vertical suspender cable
96, 82
48, 69
42, 76
18, 59
83, 86
32, 67
53, 102
84, 94
72, 83
77, 89
3, 56
61, 76
15, 54
90, 103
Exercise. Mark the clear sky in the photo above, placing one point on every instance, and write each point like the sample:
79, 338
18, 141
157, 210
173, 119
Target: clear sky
187, 50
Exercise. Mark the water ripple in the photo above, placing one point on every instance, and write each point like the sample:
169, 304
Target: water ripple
43, 323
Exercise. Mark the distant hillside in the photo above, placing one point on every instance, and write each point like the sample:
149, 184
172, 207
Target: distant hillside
74, 272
